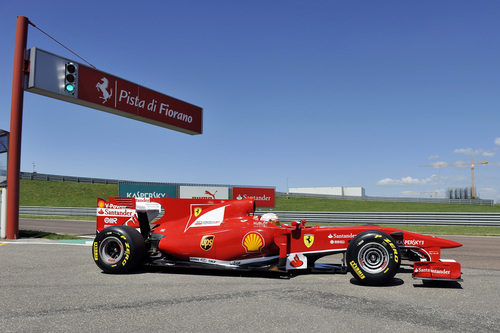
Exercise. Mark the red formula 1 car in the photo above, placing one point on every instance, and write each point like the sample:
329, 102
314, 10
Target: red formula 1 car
226, 234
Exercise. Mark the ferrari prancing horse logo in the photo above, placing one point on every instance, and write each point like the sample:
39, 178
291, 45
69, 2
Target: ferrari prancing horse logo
308, 240
197, 212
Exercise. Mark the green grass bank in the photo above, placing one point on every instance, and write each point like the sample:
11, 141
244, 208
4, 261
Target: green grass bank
63, 194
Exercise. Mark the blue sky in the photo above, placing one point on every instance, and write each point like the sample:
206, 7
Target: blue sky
388, 95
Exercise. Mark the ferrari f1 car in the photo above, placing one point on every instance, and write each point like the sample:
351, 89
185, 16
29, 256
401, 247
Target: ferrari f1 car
228, 234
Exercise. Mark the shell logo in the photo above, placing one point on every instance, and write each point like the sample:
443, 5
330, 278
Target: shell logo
253, 242
100, 204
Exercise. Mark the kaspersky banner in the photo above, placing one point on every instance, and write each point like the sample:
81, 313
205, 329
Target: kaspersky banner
147, 190
64, 79
264, 197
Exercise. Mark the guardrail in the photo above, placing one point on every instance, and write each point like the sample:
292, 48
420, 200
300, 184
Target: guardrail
56, 211
469, 219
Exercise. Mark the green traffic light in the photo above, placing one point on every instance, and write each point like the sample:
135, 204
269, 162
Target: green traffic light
69, 88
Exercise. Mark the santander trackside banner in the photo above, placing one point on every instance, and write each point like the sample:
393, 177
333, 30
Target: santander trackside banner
264, 197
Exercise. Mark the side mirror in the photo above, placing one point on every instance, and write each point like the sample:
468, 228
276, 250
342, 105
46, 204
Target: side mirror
297, 225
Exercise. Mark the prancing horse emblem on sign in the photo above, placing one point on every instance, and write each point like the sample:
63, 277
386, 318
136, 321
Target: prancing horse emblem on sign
102, 86
197, 212
308, 240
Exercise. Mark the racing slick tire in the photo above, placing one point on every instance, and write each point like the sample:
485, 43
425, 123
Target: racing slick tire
373, 257
118, 249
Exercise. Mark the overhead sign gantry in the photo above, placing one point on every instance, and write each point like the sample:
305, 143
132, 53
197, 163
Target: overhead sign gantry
64, 79
54, 76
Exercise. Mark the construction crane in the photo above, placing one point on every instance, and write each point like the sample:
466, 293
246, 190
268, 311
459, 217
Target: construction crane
472, 166
472, 172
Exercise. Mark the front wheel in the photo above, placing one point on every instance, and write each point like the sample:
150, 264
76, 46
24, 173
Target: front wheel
373, 257
118, 249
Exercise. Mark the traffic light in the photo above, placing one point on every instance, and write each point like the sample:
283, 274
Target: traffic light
71, 78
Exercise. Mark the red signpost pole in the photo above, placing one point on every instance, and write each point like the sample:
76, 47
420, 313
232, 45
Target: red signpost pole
16, 120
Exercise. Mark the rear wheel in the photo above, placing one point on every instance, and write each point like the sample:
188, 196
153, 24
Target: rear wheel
118, 249
373, 257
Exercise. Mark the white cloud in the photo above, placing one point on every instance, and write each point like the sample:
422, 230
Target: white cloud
438, 165
497, 141
466, 151
474, 152
388, 182
488, 154
461, 164
434, 179
434, 157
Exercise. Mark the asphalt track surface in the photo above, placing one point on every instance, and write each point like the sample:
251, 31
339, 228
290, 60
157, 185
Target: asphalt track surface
52, 286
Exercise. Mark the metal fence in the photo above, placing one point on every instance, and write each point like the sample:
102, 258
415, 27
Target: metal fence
61, 178
468, 219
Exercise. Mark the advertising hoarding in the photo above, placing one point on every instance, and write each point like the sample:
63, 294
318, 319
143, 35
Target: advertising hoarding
264, 197
147, 190
203, 192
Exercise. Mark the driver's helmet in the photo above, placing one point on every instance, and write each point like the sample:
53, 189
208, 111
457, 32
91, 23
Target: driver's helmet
270, 217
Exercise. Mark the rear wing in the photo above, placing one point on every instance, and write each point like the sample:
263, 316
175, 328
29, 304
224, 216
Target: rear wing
119, 211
